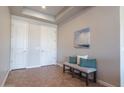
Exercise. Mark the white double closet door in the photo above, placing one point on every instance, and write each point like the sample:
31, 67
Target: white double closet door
32, 44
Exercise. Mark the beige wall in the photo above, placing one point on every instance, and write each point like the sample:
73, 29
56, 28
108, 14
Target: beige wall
4, 42
105, 40
122, 45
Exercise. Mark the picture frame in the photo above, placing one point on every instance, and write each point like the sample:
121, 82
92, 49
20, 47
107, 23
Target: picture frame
82, 38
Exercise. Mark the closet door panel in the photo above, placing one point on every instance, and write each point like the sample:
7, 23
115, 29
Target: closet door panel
19, 44
34, 45
44, 46
52, 44
48, 45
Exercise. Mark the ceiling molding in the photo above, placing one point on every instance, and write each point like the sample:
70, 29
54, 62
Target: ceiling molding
65, 7
64, 14
38, 15
69, 12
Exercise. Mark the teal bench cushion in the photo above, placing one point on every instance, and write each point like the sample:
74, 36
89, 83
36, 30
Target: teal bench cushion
91, 63
73, 60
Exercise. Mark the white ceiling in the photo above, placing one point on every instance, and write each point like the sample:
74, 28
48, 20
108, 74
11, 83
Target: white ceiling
49, 10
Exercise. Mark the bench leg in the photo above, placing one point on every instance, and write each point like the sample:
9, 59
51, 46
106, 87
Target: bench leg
72, 72
94, 76
80, 74
87, 79
70, 69
63, 68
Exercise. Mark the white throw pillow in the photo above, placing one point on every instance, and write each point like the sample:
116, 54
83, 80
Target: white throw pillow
84, 57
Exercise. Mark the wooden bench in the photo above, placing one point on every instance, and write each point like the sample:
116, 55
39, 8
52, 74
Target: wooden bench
85, 70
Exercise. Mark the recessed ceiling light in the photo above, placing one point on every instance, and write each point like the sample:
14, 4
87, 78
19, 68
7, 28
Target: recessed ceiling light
44, 7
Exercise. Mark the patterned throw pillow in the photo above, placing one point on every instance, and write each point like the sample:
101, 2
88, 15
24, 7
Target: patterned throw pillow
91, 63
73, 60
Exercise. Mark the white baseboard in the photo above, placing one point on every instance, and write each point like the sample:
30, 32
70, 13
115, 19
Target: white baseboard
40, 65
5, 78
33, 66
105, 83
